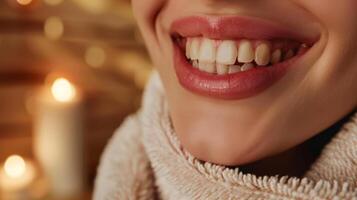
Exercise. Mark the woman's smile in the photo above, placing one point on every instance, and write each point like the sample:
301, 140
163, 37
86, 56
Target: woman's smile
246, 80
234, 57
254, 85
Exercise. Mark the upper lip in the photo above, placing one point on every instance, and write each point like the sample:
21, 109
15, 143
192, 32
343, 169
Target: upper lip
237, 27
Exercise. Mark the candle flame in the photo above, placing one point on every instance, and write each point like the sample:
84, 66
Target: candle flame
63, 90
15, 166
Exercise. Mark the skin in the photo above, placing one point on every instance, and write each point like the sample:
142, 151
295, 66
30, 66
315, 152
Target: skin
315, 94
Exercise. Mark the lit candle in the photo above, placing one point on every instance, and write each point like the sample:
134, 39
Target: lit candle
16, 177
58, 137
25, 5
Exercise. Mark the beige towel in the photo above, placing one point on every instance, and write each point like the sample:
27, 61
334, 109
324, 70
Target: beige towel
144, 160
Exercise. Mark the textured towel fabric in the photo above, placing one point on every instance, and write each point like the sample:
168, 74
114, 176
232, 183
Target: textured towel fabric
144, 160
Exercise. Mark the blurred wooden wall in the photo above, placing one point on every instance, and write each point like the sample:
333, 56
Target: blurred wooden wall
27, 58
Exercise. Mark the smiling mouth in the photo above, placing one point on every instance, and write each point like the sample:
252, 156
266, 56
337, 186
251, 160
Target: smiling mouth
222, 57
233, 57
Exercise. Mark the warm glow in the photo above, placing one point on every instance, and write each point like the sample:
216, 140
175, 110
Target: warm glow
63, 90
94, 6
53, 28
95, 56
53, 2
15, 166
24, 2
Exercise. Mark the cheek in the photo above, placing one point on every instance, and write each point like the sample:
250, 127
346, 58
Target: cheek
336, 71
339, 26
333, 14
145, 11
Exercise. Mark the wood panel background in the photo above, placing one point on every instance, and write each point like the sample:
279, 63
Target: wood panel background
27, 58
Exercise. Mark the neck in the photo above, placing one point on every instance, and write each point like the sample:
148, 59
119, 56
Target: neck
296, 161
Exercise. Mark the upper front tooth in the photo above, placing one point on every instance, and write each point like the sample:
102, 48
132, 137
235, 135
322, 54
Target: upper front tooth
245, 52
227, 52
207, 51
194, 48
262, 54
207, 67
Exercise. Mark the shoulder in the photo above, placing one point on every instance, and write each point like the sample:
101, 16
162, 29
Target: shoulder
124, 171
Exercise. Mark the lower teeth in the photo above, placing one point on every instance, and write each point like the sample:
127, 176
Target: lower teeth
222, 69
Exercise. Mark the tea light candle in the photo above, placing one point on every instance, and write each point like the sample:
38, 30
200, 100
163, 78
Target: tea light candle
16, 177
58, 137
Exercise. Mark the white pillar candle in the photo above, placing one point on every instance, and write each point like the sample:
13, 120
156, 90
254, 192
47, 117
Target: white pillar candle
58, 138
16, 176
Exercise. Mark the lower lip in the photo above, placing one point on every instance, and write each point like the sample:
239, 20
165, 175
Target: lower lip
230, 86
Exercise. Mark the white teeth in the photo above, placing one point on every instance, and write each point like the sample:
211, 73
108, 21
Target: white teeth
246, 67
188, 48
207, 67
207, 51
234, 69
276, 56
226, 57
227, 52
222, 69
207, 56
245, 52
289, 54
195, 64
194, 48
262, 54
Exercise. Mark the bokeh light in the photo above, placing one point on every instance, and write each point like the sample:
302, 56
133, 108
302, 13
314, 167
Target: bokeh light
53, 28
24, 2
95, 56
15, 166
53, 2
62, 90
93, 6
